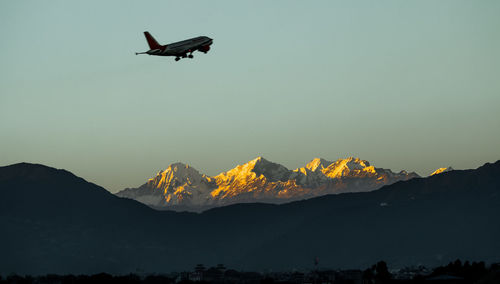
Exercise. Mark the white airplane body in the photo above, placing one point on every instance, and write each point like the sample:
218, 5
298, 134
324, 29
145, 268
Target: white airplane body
181, 49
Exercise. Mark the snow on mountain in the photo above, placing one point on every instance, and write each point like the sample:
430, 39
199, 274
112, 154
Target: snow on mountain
179, 184
317, 163
181, 187
257, 180
442, 170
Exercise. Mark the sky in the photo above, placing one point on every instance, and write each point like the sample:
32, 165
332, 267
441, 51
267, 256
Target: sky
411, 85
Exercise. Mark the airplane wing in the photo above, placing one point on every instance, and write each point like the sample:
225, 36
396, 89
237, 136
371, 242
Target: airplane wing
203, 47
185, 50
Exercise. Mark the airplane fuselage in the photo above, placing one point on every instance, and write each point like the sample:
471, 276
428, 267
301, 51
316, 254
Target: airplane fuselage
178, 49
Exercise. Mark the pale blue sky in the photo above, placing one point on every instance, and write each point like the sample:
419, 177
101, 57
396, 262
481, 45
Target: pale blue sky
409, 85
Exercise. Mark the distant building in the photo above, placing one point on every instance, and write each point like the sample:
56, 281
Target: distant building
409, 273
297, 277
349, 276
197, 274
214, 274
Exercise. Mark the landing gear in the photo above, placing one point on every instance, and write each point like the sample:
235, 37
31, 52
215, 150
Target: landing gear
177, 58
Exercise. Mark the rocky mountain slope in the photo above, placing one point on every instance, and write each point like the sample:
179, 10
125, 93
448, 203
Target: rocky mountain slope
181, 187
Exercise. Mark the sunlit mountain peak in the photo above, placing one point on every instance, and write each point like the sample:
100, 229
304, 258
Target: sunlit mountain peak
259, 159
254, 169
257, 162
177, 167
260, 180
442, 170
316, 163
180, 168
347, 167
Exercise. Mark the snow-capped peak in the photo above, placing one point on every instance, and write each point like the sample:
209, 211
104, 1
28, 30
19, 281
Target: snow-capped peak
442, 170
349, 166
260, 180
257, 163
255, 168
316, 163
176, 174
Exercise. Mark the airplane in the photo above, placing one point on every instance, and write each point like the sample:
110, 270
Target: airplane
178, 49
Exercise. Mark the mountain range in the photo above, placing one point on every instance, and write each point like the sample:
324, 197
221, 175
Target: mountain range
181, 187
55, 222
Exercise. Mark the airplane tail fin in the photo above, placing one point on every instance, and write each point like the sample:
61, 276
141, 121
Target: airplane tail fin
153, 44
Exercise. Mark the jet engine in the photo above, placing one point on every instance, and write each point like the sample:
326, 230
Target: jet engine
205, 48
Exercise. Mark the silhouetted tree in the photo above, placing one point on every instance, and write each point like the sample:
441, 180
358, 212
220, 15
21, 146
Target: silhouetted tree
456, 267
15, 279
157, 279
368, 275
475, 271
471, 272
382, 273
267, 280
127, 279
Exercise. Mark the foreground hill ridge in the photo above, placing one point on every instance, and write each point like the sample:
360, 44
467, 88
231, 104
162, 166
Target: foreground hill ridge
56, 222
182, 187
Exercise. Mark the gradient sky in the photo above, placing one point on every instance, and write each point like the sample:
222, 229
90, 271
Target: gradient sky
409, 85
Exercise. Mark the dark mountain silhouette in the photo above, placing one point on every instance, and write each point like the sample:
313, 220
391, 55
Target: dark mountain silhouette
55, 222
